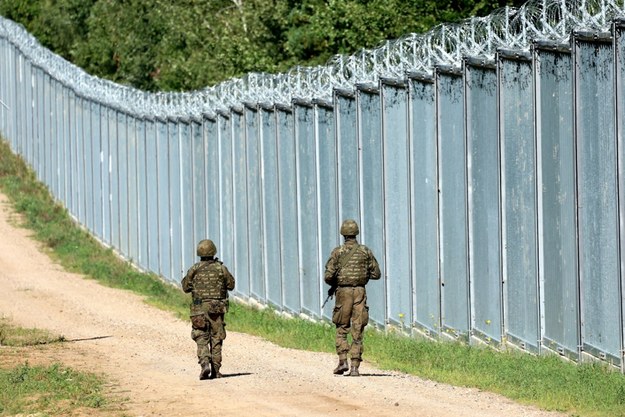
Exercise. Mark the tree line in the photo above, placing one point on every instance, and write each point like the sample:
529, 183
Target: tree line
184, 45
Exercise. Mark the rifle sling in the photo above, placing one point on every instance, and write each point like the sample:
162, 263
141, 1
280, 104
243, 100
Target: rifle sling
343, 261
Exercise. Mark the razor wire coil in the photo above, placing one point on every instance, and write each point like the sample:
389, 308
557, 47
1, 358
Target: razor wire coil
443, 45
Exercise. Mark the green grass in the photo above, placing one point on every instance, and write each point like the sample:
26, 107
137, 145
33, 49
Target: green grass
44, 390
51, 390
18, 337
545, 381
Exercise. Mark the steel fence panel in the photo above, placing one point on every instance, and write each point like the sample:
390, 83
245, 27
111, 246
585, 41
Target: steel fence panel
53, 136
82, 130
30, 104
619, 51
483, 201
187, 218
66, 154
597, 198
287, 184
87, 163
114, 135
213, 188
13, 102
113, 173
153, 195
424, 196
240, 236
348, 155
307, 207
518, 200
143, 210
6, 49
25, 130
134, 223
36, 117
32, 115
95, 161
176, 189
73, 188
198, 197
327, 190
76, 157
46, 139
452, 184
59, 141
226, 235
5, 73
369, 117
105, 166
398, 249
163, 189
122, 181
4, 78
31, 126
61, 105
270, 206
255, 202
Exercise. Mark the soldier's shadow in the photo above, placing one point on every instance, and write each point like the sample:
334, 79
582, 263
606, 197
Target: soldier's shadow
371, 374
235, 374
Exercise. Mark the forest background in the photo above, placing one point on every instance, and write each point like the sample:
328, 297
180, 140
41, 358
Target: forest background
186, 45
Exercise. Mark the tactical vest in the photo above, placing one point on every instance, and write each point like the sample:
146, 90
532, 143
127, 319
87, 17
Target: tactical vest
355, 272
209, 282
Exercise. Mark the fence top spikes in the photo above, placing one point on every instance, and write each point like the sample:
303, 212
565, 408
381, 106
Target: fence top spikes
443, 45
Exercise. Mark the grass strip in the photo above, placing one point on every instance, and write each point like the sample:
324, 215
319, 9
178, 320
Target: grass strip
18, 337
545, 381
52, 390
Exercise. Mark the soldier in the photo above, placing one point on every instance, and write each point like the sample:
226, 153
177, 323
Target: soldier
208, 281
347, 271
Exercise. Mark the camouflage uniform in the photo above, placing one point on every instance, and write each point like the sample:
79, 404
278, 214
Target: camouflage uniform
349, 268
208, 281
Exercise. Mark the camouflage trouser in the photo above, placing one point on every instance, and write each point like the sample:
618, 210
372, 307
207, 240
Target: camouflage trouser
209, 338
350, 313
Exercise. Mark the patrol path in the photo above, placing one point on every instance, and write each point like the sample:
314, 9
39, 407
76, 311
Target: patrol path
149, 357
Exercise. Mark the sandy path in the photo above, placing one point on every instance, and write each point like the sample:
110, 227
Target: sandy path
149, 356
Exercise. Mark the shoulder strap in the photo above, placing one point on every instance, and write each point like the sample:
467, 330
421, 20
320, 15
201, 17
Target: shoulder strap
345, 258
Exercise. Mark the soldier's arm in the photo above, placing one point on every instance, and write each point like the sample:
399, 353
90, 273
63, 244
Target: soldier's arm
229, 279
374, 267
331, 268
187, 281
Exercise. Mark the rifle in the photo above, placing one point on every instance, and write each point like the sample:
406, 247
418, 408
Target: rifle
342, 263
331, 292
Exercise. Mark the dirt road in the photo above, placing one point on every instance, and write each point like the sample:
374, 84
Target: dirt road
149, 357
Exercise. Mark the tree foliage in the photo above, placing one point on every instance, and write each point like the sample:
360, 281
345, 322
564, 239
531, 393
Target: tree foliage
190, 44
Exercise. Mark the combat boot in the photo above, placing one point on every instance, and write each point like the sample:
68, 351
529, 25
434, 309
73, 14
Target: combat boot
215, 373
341, 367
354, 370
205, 372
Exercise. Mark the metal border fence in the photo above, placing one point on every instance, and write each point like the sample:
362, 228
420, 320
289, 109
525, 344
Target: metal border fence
484, 162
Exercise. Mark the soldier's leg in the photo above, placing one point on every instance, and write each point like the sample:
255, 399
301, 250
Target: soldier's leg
202, 340
360, 318
341, 318
217, 335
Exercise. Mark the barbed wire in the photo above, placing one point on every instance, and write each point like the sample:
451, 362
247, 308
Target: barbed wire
443, 45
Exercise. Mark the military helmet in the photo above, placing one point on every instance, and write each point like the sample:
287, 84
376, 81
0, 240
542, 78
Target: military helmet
349, 228
206, 247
